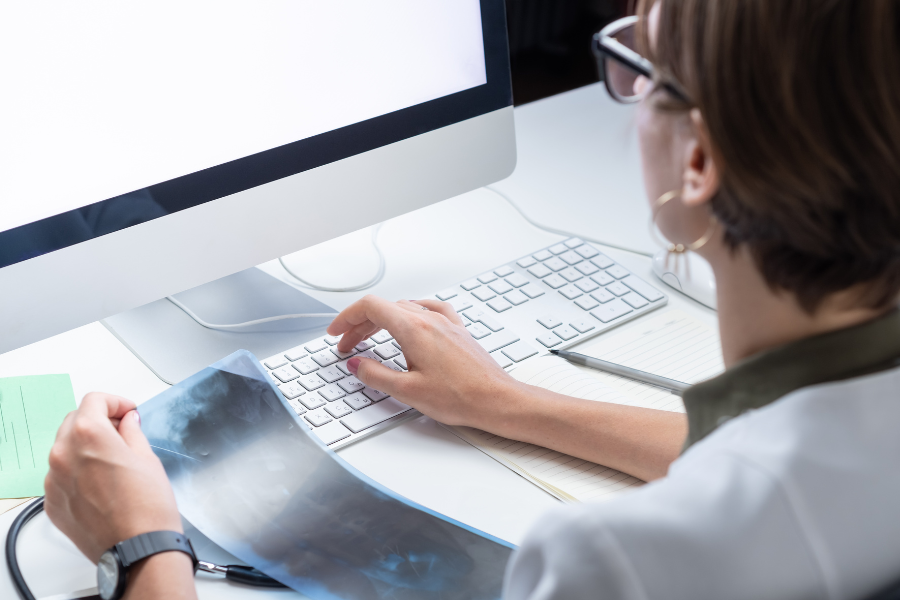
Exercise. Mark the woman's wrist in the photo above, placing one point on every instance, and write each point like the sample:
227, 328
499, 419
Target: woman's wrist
163, 575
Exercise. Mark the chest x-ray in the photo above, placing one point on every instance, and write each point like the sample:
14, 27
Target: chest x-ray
250, 476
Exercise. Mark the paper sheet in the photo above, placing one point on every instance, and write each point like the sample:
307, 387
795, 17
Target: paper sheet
31, 410
671, 344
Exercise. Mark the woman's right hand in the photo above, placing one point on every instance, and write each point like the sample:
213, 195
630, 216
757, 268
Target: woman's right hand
451, 378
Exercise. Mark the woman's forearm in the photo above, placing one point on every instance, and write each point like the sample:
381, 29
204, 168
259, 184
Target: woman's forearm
639, 441
167, 575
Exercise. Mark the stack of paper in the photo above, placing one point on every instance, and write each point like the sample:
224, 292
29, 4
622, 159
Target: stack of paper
671, 344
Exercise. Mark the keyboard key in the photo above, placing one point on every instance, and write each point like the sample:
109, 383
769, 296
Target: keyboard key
618, 271
311, 401
332, 432
558, 248
447, 294
539, 271
470, 285
343, 367
274, 362
332, 340
291, 390
484, 294
311, 382
532, 291
587, 303
392, 366
479, 331
318, 419
323, 359
342, 355
332, 392
487, 278
519, 351
555, 281
617, 288
573, 242
573, 258
570, 274
634, 300
498, 340
351, 384
565, 332
516, 298
357, 401
305, 366
516, 280
503, 271
549, 321
382, 337
587, 251
602, 261
501, 359
499, 304
316, 346
397, 345
338, 410
555, 264
611, 310
374, 395
602, 296
387, 351
542, 255
474, 314
298, 408
602, 278
582, 325
501, 287
401, 360
367, 417
296, 353
461, 303
587, 285
549, 340
330, 375
587, 268
364, 345
285, 374
526, 262
491, 323
570, 292
644, 289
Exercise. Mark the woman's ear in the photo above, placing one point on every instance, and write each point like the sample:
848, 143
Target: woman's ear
701, 175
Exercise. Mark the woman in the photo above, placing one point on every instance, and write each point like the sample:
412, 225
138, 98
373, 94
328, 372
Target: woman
771, 131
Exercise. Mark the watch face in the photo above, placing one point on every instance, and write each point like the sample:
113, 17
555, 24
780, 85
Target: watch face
107, 575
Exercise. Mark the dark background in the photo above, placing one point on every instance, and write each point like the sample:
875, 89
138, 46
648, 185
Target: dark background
550, 43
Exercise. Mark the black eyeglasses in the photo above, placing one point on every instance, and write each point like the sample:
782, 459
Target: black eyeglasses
620, 65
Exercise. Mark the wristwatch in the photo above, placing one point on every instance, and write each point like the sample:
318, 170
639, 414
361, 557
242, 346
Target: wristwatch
114, 564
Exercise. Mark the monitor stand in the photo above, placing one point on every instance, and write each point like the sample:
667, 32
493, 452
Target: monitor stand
175, 347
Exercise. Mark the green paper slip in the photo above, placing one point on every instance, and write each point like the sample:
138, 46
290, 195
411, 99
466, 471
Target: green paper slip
31, 410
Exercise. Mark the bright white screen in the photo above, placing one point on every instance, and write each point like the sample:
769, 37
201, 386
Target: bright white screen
103, 97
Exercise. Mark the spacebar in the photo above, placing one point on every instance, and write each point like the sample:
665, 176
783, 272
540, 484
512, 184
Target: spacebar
372, 415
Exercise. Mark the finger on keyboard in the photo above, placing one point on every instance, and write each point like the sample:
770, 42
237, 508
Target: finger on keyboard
377, 376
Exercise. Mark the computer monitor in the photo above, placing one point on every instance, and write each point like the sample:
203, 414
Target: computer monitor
150, 147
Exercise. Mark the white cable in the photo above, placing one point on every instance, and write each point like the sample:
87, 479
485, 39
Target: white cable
561, 231
379, 275
239, 326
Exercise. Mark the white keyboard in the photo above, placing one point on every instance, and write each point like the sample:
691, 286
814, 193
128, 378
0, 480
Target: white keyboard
554, 298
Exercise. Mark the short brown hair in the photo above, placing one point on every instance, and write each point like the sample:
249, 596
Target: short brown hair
802, 102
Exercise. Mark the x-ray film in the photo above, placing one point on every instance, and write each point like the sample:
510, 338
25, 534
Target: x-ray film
253, 478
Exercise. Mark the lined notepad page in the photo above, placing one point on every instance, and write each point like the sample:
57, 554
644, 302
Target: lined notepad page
672, 344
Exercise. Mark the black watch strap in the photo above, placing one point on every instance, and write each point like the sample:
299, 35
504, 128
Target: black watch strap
147, 544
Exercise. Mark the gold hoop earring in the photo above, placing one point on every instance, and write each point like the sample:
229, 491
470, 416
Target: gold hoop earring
671, 247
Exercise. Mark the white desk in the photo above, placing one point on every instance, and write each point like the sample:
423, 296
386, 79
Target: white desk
426, 251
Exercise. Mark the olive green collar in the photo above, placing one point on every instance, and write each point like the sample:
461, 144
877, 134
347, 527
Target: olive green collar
765, 377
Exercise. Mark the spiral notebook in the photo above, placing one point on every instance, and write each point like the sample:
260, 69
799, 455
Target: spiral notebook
671, 344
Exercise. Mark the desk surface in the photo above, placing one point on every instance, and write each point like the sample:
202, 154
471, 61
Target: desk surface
426, 251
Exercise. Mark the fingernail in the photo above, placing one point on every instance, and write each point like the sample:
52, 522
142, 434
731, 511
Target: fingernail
137, 416
353, 365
